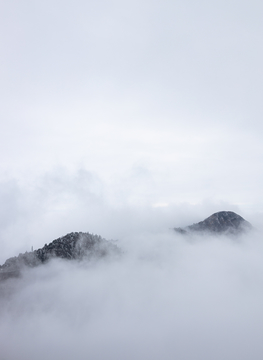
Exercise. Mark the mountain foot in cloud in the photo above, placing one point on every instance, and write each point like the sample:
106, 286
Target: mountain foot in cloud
223, 222
73, 246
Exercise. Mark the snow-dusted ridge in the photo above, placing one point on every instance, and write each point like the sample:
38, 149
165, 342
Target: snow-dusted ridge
73, 246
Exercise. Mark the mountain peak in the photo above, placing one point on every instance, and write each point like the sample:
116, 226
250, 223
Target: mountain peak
73, 246
219, 222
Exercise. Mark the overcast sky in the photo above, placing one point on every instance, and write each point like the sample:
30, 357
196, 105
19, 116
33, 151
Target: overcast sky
114, 106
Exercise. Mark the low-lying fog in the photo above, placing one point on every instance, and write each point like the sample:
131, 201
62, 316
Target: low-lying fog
166, 297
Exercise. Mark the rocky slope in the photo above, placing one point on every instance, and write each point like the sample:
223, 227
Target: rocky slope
76, 246
226, 222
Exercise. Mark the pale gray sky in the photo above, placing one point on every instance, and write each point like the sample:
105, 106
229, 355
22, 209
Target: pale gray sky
116, 104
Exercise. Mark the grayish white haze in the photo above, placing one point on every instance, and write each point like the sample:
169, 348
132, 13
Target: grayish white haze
164, 298
126, 119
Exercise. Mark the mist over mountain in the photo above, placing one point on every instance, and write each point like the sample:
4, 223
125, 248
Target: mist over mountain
128, 119
223, 222
164, 297
73, 246
79, 245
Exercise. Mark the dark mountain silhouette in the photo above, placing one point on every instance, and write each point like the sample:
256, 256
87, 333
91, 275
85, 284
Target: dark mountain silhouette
73, 246
220, 222
79, 246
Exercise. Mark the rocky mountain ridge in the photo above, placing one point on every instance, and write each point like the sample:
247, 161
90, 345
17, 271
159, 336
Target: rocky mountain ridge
73, 246
222, 222
79, 245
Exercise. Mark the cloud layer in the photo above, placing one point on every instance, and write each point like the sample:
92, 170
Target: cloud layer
165, 297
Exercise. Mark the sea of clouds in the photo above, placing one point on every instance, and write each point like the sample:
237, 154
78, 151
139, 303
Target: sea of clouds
167, 296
